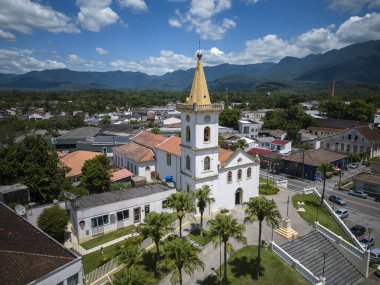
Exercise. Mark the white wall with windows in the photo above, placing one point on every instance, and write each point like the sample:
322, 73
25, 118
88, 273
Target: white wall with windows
168, 165
94, 221
137, 168
69, 274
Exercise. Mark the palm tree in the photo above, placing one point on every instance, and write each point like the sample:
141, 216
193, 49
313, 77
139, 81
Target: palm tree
222, 228
260, 208
324, 168
241, 143
182, 203
181, 254
133, 276
129, 251
203, 199
156, 226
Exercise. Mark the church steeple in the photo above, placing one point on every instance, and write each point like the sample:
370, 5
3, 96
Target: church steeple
199, 91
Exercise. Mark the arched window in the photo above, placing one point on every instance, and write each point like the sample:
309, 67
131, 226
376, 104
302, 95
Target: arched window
188, 134
349, 137
239, 174
206, 134
229, 177
249, 172
147, 168
207, 163
187, 162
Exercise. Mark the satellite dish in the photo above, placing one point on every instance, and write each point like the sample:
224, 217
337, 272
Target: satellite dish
20, 210
69, 196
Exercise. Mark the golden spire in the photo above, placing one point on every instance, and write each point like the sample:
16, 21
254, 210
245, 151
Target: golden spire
199, 92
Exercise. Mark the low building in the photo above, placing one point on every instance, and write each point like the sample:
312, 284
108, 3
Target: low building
249, 128
70, 140
75, 161
369, 183
122, 175
103, 144
281, 146
29, 256
97, 214
16, 193
304, 164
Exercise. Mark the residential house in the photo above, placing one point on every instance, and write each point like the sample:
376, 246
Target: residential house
103, 144
97, 214
171, 121
322, 132
37, 115
70, 140
264, 142
249, 129
275, 134
304, 163
281, 146
122, 175
75, 161
369, 183
30, 256
360, 139
16, 193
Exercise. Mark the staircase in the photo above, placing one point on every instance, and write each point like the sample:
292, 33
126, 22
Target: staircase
315, 252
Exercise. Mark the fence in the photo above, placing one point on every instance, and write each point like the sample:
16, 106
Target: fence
102, 273
296, 264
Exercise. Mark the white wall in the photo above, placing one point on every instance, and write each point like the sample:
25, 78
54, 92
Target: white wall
163, 169
63, 273
154, 200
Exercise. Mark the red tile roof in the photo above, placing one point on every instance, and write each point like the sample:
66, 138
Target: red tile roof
259, 151
148, 139
171, 145
120, 174
315, 157
135, 152
76, 159
224, 155
280, 142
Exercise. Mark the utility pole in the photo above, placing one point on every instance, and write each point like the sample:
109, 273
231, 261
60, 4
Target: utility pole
303, 163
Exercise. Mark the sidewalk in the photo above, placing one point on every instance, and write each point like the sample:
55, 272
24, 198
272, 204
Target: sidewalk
210, 255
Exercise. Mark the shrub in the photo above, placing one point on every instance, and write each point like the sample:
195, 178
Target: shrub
53, 221
265, 189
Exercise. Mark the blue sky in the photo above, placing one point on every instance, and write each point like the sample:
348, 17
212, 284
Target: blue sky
159, 36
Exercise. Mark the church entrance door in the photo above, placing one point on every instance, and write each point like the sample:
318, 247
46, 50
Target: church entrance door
238, 196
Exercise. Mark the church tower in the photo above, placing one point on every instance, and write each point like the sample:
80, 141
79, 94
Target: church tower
199, 135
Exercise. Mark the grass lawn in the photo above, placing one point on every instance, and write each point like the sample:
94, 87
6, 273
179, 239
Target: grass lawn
310, 214
108, 237
264, 180
202, 240
240, 270
90, 261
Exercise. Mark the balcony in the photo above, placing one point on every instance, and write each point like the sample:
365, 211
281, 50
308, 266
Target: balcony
200, 108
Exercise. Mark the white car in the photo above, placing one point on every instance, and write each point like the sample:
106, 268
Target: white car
342, 213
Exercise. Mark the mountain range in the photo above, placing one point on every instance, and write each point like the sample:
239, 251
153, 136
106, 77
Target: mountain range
355, 63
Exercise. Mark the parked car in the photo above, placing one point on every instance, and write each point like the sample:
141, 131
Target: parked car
358, 231
359, 194
337, 200
367, 242
342, 213
353, 165
374, 255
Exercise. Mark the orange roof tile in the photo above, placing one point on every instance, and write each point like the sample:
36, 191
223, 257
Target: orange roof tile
135, 152
224, 155
148, 139
171, 145
120, 174
76, 159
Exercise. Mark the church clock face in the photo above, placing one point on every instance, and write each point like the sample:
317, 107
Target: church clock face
207, 118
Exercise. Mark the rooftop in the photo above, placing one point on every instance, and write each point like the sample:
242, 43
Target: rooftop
135, 152
369, 134
11, 188
95, 200
315, 157
339, 123
148, 139
372, 178
171, 145
84, 132
280, 142
120, 174
75, 160
111, 139
224, 155
26, 253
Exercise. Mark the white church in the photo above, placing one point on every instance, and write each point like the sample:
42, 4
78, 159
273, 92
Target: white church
195, 159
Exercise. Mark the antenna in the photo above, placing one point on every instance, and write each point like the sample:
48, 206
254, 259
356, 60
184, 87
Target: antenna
333, 89
20, 210
199, 44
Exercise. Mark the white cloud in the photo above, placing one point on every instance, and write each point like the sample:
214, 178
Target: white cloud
7, 35
359, 29
216, 51
201, 18
175, 23
251, 2
24, 16
74, 59
353, 5
95, 14
136, 5
22, 61
101, 51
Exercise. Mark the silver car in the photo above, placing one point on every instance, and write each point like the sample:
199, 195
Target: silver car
359, 194
374, 255
342, 213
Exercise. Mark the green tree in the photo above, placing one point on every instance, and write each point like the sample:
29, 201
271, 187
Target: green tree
260, 208
324, 168
156, 226
180, 255
354, 157
32, 163
241, 143
222, 229
155, 130
181, 203
229, 117
106, 120
95, 175
53, 221
129, 251
133, 276
202, 195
